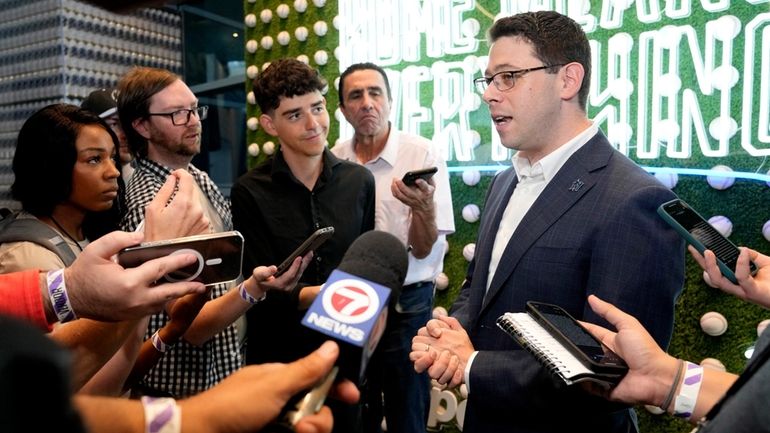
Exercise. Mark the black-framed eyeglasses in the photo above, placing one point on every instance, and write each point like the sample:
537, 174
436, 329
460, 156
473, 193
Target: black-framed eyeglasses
505, 80
182, 117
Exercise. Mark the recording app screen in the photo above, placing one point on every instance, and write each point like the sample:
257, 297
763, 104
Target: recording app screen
708, 235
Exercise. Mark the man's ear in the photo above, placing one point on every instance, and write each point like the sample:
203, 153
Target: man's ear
268, 125
140, 126
572, 79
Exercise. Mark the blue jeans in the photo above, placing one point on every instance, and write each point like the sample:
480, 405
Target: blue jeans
393, 388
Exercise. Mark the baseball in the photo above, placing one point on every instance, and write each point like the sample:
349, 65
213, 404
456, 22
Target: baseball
471, 177
267, 42
304, 59
282, 10
713, 323
250, 20
336, 22
252, 123
468, 251
761, 326
442, 281
320, 28
766, 230
439, 311
268, 148
319, 3
321, 57
300, 5
301, 34
713, 364
252, 71
253, 149
250, 98
266, 15
718, 181
655, 410
723, 225
265, 65
464, 390
667, 178
471, 213
251, 46
283, 38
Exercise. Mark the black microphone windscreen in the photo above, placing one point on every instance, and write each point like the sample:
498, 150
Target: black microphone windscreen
379, 257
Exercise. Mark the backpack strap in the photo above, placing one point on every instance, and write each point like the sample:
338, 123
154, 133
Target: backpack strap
13, 229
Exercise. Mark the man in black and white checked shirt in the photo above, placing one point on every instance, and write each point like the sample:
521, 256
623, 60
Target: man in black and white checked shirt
162, 121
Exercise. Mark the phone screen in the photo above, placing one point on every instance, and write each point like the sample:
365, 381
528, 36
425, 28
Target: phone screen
557, 318
704, 232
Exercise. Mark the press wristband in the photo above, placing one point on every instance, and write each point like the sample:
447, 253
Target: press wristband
60, 301
246, 296
159, 344
161, 415
684, 404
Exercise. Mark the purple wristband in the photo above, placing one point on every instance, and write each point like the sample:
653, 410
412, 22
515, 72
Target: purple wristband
60, 301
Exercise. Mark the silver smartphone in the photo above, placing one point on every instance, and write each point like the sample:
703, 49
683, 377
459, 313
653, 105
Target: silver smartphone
219, 256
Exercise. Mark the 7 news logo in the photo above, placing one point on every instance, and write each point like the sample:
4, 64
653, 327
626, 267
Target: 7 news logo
348, 308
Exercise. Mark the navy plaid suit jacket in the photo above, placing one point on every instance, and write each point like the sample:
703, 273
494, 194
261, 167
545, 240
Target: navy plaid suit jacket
593, 230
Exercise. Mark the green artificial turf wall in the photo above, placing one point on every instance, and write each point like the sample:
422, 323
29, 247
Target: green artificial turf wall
622, 99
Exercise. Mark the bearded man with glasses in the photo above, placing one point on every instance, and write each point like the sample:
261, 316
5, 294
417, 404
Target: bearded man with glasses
571, 217
162, 120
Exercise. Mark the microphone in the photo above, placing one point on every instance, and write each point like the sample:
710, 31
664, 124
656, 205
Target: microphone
352, 305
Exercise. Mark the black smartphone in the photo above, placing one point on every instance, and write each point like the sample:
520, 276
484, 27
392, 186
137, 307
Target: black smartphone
310, 244
587, 348
697, 231
411, 176
219, 256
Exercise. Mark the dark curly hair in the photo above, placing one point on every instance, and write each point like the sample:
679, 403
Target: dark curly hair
556, 38
45, 155
285, 78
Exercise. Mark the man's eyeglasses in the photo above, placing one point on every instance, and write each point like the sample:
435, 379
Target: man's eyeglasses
505, 80
182, 117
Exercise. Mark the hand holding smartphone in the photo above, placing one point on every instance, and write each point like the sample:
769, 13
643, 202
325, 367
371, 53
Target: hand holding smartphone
219, 256
697, 231
410, 177
314, 241
581, 343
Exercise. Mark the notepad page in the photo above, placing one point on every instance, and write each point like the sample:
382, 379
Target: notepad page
556, 355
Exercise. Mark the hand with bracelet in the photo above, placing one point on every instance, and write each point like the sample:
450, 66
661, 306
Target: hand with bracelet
655, 377
98, 288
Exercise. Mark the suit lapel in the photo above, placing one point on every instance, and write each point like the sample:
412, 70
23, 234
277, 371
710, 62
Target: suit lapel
494, 208
570, 184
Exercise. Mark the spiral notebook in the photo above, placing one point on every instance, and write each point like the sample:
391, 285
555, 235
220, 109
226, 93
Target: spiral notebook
532, 336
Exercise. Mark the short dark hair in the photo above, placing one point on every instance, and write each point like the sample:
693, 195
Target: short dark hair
46, 153
135, 89
557, 40
362, 67
285, 78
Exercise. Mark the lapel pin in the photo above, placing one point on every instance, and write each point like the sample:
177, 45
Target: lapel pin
576, 185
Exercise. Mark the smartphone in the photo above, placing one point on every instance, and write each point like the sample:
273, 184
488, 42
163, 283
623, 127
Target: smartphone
703, 236
411, 176
581, 343
310, 244
219, 256
313, 401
